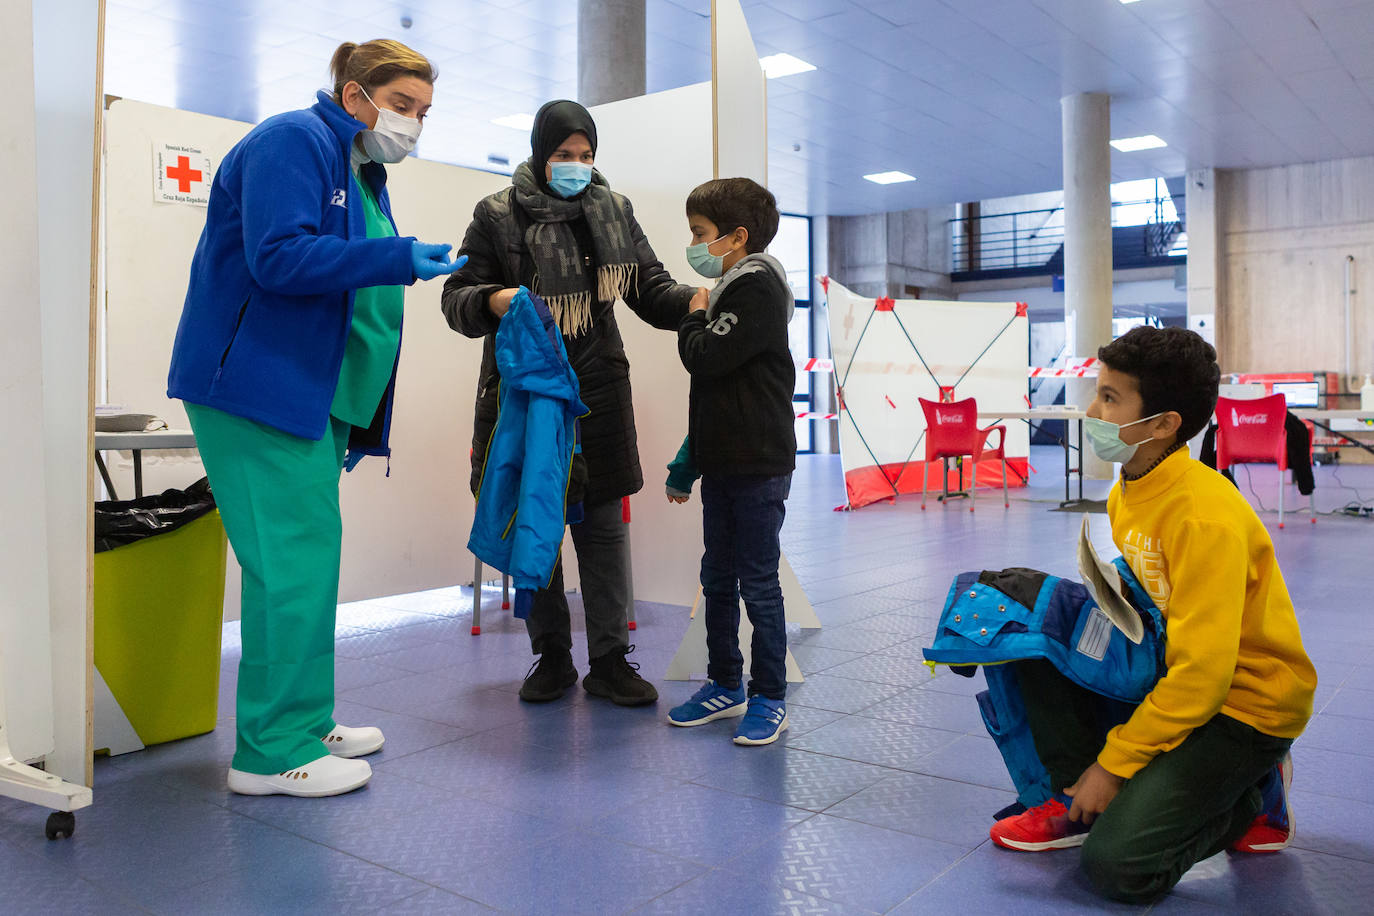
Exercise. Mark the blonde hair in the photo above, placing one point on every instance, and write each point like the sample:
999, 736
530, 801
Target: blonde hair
376, 63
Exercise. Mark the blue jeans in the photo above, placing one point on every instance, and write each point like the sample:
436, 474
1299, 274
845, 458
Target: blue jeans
741, 520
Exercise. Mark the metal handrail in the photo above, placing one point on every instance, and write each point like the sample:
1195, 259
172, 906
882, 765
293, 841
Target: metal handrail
1027, 247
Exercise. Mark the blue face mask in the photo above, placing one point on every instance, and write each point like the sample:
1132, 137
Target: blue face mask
703, 262
570, 178
1105, 439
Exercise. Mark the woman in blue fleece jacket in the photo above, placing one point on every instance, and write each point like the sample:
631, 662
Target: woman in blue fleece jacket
285, 358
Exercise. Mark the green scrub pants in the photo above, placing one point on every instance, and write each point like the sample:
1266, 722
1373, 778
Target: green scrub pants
278, 495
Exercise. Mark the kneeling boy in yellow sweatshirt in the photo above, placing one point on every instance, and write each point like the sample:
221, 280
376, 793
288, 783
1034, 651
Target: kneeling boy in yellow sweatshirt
1202, 764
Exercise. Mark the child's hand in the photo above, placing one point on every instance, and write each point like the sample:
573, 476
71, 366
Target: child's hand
700, 300
678, 499
1092, 793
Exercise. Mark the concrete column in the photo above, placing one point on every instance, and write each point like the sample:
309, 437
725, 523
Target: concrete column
610, 50
1087, 240
1204, 252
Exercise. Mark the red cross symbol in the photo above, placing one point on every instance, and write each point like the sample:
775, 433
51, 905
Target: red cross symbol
183, 174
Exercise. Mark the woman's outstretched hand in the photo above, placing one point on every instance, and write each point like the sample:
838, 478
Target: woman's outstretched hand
430, 261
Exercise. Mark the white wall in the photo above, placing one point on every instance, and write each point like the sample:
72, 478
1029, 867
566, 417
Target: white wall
1285, 235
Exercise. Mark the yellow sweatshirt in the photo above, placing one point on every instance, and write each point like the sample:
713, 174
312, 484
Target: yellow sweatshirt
1233, 645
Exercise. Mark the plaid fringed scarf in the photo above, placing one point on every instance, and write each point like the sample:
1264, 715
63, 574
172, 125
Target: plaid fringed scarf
559, 276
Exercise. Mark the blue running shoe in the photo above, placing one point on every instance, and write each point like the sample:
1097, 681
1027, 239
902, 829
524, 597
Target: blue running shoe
709, 703
763, 723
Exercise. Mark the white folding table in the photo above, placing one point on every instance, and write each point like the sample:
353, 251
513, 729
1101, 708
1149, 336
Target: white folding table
138, 443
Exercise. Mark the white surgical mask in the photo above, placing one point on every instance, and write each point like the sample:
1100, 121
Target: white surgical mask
703, 262
393, 138
569, 178
1106, 442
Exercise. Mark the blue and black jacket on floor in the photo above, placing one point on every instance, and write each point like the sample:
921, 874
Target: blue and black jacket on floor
991, 618
521, 498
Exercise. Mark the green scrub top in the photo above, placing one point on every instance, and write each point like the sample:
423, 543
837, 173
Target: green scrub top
375, 335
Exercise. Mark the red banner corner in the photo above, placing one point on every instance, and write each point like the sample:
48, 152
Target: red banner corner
1022, 310
884, 304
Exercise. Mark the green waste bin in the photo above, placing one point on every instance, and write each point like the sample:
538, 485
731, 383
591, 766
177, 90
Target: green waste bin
159, 608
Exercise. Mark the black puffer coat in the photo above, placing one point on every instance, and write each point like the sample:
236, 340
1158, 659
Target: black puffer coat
498, 258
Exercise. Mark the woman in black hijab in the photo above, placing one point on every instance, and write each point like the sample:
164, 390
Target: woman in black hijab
560, 231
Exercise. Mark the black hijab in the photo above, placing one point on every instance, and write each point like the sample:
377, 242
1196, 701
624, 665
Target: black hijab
555, 122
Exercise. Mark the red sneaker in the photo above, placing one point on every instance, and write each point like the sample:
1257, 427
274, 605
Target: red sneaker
1273, 829
1046, 826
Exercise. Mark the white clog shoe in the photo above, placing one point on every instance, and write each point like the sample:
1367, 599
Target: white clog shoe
354, 742
329, 775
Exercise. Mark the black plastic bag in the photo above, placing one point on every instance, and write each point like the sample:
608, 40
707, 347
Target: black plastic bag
120, 522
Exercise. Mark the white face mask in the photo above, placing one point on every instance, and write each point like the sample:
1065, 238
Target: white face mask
393, 138
1105, 439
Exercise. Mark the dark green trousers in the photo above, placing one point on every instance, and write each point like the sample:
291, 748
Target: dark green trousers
1184, 806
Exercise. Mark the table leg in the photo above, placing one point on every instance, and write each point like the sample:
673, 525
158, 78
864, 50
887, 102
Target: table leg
1065, 440
477, 597
1080, 459
105, 476
138, 473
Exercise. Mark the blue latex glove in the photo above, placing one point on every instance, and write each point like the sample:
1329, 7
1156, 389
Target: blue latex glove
430, 261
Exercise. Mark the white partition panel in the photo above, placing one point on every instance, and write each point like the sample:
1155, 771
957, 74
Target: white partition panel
655, 149
25, 644
740, 99
890, 353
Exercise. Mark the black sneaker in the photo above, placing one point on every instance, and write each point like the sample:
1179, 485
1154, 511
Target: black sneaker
552, 674
618, 680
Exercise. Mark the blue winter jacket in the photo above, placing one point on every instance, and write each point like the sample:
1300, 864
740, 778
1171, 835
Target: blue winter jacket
270, 299
991, 618
521, 499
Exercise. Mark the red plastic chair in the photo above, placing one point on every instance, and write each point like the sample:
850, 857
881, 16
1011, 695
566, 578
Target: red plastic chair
952, 432
1252, 432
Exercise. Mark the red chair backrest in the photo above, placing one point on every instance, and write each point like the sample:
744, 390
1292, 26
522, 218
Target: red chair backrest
951, 428
1252, 430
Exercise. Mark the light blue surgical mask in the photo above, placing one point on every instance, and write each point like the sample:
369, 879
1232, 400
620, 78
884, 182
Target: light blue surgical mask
1106, 442
705, 263
570, 178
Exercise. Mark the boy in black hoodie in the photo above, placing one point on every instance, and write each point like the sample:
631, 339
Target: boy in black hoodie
741, 437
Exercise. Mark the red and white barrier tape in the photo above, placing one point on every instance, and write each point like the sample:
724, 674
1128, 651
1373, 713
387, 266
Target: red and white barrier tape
808, 415
1057, 372
816, 365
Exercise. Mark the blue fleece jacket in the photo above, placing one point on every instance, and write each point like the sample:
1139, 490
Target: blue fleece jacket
270, 298
518, 524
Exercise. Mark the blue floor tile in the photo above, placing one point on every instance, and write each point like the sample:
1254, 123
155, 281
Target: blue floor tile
302, 878
699, 824
992, 879
939, 809
849, 862
795, 777
1295, 881
724, 893
875, 741
575, 873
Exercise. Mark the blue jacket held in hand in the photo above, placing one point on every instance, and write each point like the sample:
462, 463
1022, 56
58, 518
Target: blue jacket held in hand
521, 499
270, 300
995, 617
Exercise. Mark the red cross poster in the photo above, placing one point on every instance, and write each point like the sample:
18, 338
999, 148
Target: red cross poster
181, 174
